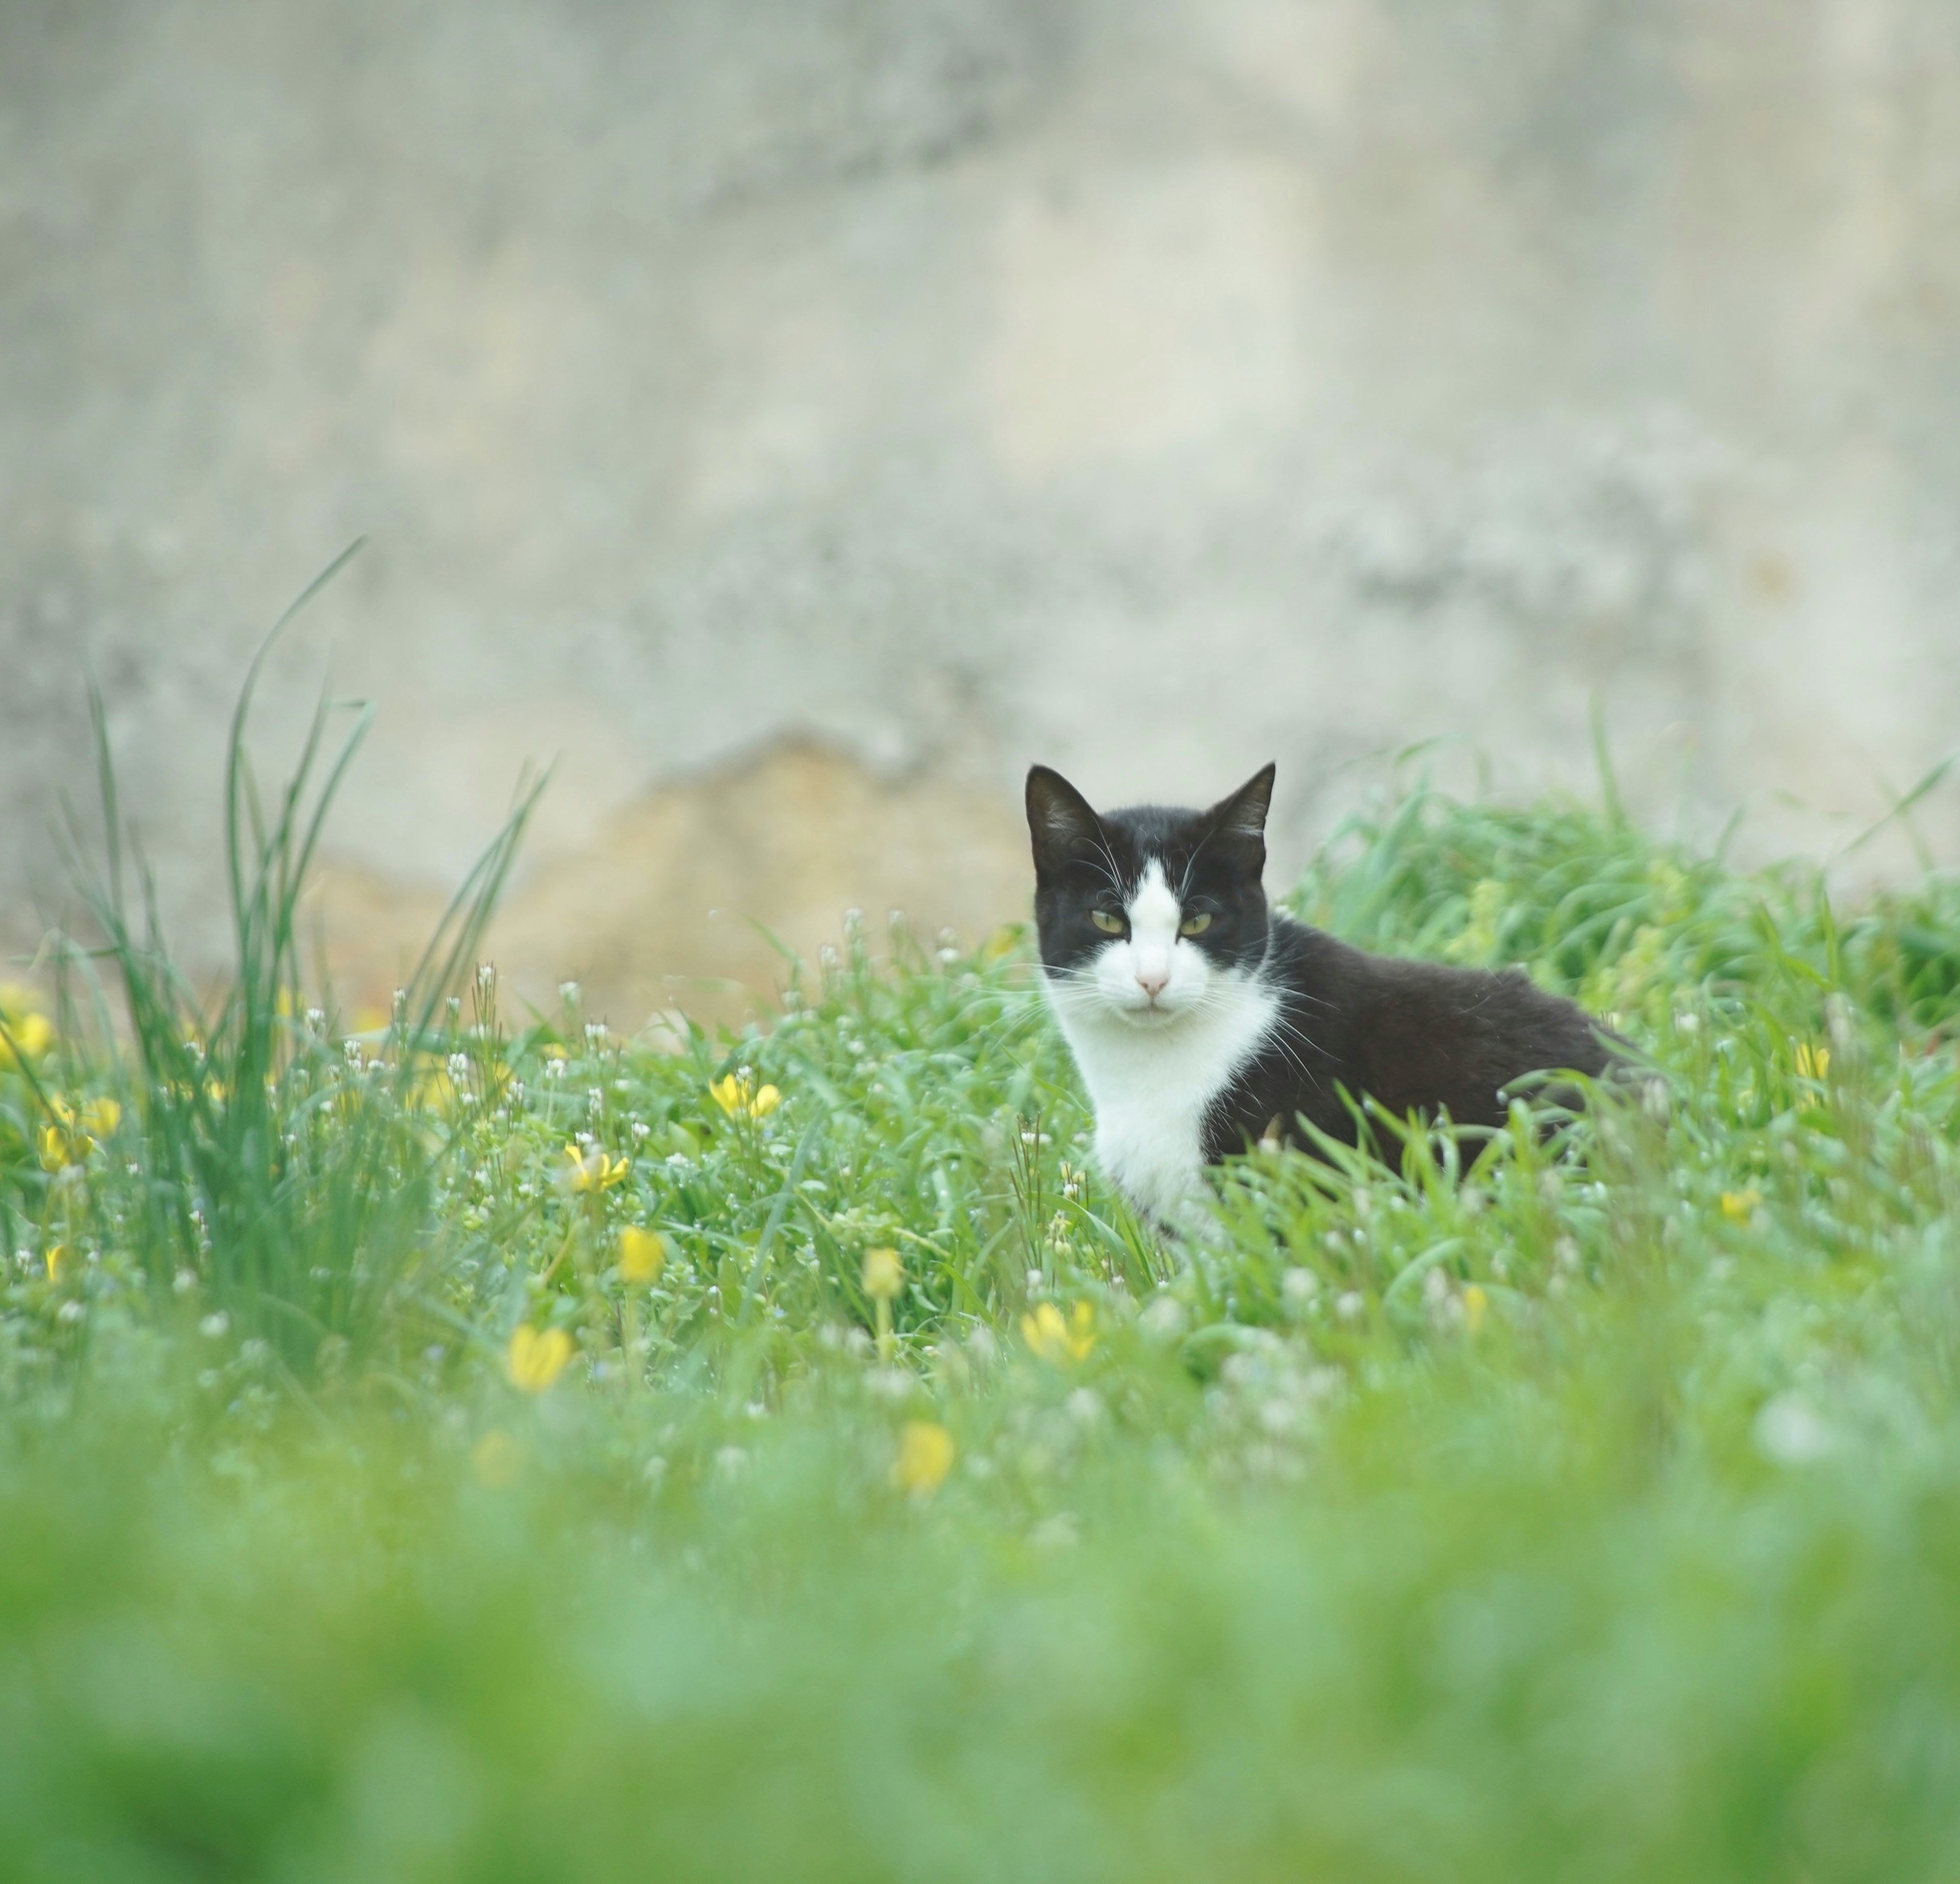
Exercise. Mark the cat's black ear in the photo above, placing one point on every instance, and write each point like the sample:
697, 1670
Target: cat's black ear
1060, 820
1242, 816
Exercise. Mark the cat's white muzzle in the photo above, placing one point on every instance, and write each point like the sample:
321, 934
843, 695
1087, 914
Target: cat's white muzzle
1149, 986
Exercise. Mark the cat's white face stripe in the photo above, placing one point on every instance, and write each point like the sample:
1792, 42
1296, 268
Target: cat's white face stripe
1154, 914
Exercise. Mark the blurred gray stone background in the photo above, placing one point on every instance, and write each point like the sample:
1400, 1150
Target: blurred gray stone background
792, 416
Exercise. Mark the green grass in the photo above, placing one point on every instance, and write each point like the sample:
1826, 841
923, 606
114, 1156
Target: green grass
1595, 1515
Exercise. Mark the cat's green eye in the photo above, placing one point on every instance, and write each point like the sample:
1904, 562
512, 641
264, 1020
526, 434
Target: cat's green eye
1107, 921
1195, 925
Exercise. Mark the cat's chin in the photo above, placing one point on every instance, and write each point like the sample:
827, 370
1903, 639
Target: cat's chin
1149, 1019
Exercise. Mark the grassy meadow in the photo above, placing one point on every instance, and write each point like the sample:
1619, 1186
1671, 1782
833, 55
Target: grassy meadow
490, 1447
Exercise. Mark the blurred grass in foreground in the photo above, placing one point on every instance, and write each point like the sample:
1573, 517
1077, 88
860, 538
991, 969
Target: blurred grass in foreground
782, 1458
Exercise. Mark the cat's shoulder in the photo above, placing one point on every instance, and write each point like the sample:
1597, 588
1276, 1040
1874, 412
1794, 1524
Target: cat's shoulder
1368, 988
1298, 952
1299, 945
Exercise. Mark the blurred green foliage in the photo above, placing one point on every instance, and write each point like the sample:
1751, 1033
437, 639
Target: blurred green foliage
1590, 1510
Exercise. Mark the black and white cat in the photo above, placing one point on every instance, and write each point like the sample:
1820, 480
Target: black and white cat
1202, 1020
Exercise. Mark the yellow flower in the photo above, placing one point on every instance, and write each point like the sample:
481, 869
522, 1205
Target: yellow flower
1812, 1063
884, 1273
643, 1254
57, 1260
926, 1453
1739, 1206
1003, 942
24, 1035
738, 1097
1055, 1339
592, 1170
1476, 1306
537, 1356
71, 1137
496, 1459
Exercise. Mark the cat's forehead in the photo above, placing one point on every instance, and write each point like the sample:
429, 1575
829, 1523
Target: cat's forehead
1164, 834
1152, 901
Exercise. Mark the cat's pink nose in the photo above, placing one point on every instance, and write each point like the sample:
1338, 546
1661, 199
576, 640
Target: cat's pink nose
1154, 981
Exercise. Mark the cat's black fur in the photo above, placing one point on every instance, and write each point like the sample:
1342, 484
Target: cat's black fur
1415, 1036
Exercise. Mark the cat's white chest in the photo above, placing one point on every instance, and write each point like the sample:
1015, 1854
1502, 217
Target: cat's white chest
1151, 1087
